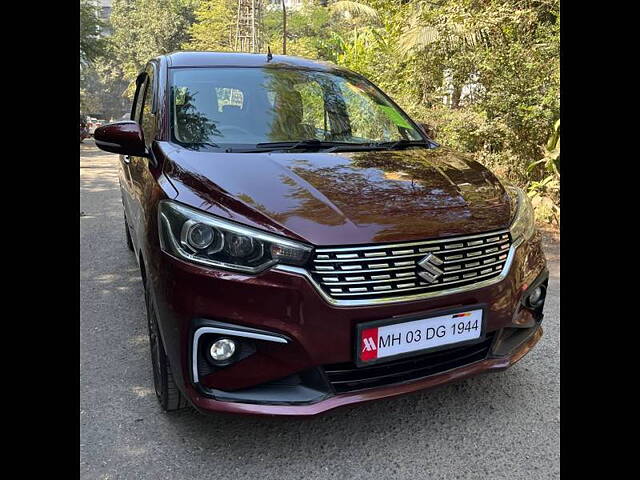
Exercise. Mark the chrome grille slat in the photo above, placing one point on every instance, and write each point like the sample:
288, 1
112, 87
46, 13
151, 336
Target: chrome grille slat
392, 271
380, 277
346, 256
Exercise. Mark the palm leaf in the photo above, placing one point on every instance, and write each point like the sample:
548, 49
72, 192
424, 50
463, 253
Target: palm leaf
417, 37
534, 164
349, 9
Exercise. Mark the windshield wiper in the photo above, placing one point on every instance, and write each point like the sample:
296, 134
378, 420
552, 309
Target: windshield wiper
197, 145
311, 143
401, 143
377, 145
308, 144
328, 146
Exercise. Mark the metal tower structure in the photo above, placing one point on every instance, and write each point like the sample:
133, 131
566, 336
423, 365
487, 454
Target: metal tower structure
249, 26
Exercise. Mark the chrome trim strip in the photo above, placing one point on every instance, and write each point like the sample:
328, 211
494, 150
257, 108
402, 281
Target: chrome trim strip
335, 272
410, 244
345, 256
408, 287
405, 298
367, 282
225, 331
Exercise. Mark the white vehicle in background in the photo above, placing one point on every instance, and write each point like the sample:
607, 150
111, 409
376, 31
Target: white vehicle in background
92, 124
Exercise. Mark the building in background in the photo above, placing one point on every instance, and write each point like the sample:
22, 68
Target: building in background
289, 4
104, 12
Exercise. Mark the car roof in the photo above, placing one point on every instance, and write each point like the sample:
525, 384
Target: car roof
228, 59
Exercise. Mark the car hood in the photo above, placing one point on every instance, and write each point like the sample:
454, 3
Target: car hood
343, 198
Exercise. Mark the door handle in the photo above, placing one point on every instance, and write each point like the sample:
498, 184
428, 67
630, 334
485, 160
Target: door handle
127, 159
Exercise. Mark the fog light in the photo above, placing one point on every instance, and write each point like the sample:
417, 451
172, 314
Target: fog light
222, 349
536, 297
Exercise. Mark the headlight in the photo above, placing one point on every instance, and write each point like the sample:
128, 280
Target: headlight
201, 238
523, 222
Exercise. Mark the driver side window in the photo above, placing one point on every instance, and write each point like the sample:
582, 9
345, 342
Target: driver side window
148, 120
139, 100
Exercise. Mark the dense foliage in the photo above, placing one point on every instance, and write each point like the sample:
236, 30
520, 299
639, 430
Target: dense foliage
483, 73
214, 28
143, 29
91, 45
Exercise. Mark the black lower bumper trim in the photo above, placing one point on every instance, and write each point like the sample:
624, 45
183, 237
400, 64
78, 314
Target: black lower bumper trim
300, 389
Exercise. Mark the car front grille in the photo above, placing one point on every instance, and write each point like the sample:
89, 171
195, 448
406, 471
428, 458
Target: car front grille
346, 377
383, 271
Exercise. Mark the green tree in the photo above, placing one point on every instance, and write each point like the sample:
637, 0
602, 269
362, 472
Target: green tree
307, 30
91, 45
143, 29
103, 88
214, 26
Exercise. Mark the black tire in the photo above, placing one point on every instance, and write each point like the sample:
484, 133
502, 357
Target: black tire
127, 234
167, 391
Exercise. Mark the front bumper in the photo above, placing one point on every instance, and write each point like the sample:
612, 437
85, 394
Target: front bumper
207, 404
319, 334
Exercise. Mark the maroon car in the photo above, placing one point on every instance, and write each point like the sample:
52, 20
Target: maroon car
305, 245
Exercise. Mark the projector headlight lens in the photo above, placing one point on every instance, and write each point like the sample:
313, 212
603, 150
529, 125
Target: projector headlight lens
199, 235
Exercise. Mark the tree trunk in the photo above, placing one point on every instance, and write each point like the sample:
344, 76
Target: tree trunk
455, 96
284, 28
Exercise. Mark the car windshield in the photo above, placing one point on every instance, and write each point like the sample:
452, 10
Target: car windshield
239, 108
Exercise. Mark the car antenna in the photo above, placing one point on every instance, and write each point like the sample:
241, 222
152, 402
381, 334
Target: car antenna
269, 56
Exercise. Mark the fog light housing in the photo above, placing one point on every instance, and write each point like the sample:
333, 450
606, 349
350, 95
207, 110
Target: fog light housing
222, 349
536, 297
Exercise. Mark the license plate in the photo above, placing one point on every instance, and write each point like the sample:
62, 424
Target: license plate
385, 340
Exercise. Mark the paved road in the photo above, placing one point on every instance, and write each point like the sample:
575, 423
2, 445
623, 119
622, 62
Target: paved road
499, 426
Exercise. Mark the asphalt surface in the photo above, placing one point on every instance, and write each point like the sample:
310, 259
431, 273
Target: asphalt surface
499, 426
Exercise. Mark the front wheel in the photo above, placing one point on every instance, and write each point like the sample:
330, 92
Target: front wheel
167, 391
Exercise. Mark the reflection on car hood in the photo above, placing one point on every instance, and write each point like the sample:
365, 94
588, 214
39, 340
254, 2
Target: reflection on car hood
343, 198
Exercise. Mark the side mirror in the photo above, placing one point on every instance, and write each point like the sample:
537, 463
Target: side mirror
125, 138
428, 130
